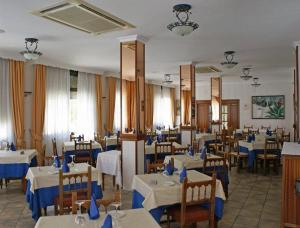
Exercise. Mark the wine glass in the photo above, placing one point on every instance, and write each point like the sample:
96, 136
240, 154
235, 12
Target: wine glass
79, 219
54, 165
116, 215
72, 160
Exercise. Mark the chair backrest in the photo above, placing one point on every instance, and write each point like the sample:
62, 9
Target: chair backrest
162, 149
271, 147
181, 150
279, 132
54, 147
197, 193
43, 155
254, 131
155, 167
83, 182
286, 137
214, 164
74, 138
248, 127
86, 204
83, 149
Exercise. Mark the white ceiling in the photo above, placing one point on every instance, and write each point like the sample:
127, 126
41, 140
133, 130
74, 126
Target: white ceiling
262, 33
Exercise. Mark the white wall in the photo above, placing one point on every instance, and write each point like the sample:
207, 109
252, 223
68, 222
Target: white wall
243, 91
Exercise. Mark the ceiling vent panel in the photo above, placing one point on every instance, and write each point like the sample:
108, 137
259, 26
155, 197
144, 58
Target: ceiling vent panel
84, 17
207, 70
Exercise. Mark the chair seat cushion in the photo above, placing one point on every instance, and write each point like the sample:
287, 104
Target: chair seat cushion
241, 154
193, 214
268, 156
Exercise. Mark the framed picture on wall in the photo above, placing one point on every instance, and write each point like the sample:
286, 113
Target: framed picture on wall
268, 107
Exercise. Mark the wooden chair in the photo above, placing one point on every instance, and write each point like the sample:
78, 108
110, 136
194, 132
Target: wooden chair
180, 150
271, 154
286, 137
86, 204
248, 127
155, 167
83, 152
254, 131
238, 157
219, 166
189, 212
161, 150
172, 135
63, 203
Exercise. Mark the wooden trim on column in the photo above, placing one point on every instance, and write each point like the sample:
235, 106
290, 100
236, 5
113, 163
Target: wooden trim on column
296, 92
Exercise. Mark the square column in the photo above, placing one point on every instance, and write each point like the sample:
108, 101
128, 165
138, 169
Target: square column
132, 54
187, 104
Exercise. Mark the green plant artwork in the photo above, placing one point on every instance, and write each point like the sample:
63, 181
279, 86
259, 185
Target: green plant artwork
268, 107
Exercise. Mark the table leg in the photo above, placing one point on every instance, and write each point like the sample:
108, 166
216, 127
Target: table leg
114, 181
24, 185
103, 181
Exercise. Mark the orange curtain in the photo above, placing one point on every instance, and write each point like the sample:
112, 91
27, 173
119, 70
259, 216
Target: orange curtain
149, 105
99, 104
111, 103
16, 71
187, 99
130, 104
38, 110
173, 105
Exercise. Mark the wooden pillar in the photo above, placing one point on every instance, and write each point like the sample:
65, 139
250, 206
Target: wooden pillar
187, 104
216, 104
132, 61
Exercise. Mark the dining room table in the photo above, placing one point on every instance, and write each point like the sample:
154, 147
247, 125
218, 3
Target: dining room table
205, 138
254, 147
132, 218
43, 185
15, 164
109, 162
157, 191
69, 149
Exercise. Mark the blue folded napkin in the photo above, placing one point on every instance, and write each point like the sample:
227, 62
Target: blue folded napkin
107, 223
93, 210
149, 141
182, 175
57, 162
203, 153
253, 137
269, 133
191, 151
12, 147
79, 138
65, 167
169, 168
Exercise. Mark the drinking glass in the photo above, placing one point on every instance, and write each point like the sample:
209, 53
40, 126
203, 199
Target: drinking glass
54, 165
72, 158
79, 219
117, 205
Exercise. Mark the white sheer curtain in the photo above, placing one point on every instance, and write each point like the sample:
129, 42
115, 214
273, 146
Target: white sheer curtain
162, 113
57, 107
6, 125
117, 115
86, 105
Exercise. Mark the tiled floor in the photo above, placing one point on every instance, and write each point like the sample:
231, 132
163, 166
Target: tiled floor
254, 201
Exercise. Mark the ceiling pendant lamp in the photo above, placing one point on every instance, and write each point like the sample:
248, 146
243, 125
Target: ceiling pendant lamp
255, 82
31, 53
183, 26
229, 63
168, 79
246, 73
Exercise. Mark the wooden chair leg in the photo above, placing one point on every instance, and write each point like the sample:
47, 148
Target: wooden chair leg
265, 167
114, 181
45, 211
24, 185
1, 183
168, 220
55, 210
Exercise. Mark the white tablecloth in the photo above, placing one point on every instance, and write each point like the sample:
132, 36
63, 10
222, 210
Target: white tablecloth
47, 176
150, 149
256, 145
15, 157
111, 141
160, 194
182, 160
134, 218
70, 146
109, 162
291, 148
203, 137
